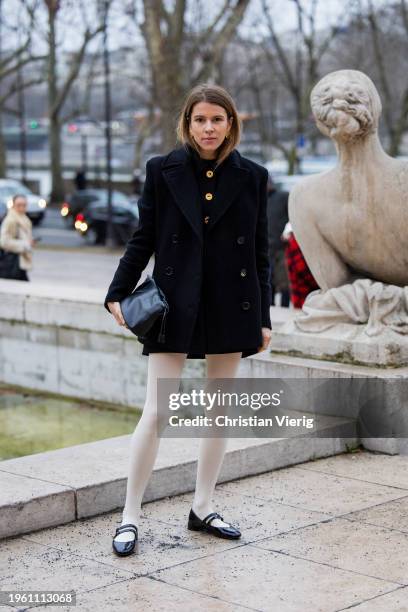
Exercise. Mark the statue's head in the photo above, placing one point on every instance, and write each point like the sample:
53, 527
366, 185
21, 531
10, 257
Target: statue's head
346, 105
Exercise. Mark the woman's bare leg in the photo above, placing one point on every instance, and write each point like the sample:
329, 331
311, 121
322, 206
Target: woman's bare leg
212, 450
144, 443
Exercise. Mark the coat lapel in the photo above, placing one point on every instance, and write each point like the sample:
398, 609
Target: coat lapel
229, 185
179, 174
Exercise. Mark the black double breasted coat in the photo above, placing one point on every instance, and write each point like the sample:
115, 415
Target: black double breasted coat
224, 257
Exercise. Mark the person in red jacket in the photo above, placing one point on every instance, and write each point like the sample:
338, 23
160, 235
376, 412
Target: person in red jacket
301, 280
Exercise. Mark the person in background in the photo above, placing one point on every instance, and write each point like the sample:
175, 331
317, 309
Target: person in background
301, 280
137, 183
80, 180
16, 236
277, 212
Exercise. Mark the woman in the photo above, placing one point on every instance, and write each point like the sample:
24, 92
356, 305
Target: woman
16, 236
203, 215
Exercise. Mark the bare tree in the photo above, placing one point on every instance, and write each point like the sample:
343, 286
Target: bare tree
395, 103
58, 91
180, 58
146, 125
263, 88
12, 61
298, 66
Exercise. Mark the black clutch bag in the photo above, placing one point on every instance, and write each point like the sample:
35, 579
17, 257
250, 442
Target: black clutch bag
143, 307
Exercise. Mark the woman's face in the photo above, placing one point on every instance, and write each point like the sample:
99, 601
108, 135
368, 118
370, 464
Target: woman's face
20, 205
209, 125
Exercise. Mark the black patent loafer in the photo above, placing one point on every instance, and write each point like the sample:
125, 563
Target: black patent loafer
196, 524
125, 548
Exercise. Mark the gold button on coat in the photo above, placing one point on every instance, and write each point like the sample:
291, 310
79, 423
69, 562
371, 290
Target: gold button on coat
209, 173
206, 219
208, 196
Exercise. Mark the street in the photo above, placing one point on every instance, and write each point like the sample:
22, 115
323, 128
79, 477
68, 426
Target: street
64, 257
76, 267
54, 231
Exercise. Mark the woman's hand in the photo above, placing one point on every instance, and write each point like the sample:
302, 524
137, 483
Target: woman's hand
114, 308
266, 338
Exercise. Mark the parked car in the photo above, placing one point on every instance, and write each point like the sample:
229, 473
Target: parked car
91, 222
79, 200
36, 205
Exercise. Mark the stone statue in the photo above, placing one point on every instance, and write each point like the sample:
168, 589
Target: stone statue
351, 222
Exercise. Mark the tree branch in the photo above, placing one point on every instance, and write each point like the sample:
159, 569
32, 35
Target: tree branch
20, 64
287, 72
84, 105
73, 73
177, 21
222, 38
16, 53
404, 13
382, 72
15, 87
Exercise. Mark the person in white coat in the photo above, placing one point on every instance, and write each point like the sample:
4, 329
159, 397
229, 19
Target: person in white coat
16, 236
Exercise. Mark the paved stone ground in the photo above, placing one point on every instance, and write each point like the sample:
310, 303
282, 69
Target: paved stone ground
323, 536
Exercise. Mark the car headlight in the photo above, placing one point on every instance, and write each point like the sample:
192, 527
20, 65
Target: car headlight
42, 203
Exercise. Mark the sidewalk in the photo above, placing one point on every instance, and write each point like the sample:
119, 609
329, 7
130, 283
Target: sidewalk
322, 536
75, 266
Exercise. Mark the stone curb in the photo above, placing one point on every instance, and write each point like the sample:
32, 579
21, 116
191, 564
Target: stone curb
60, 486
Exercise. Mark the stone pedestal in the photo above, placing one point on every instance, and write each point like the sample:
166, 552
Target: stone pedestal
344, 351
344, 343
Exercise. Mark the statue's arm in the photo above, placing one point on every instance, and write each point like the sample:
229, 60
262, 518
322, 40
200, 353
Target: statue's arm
325, 263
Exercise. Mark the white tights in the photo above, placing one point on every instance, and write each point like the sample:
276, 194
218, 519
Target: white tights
144, 443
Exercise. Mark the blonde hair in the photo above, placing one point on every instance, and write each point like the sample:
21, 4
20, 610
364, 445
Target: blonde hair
213, 94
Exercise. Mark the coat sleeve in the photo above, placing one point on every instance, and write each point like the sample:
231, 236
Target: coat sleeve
139, 247
262, 254
8, 242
